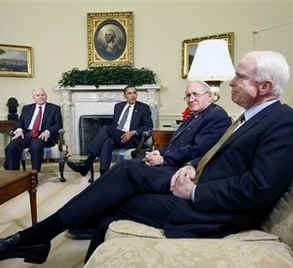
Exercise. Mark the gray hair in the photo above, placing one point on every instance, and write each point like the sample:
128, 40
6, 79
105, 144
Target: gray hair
273, 66
37, 89
214, 90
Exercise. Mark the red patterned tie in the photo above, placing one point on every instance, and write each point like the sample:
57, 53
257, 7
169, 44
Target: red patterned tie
36, 125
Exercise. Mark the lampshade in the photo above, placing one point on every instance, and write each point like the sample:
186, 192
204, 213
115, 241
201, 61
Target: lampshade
211, 62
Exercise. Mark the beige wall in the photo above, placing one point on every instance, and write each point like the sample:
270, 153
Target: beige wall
57, 33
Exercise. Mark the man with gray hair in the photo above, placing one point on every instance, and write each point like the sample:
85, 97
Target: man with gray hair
37, 128
232, 188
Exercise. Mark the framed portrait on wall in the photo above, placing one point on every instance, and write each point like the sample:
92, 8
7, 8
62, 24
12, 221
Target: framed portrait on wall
189, 47
110, 38
15, 61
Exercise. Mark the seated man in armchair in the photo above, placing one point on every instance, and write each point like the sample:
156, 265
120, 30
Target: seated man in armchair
131, 119
37, 128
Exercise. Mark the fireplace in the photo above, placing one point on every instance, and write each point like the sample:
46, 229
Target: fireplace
89, 126
98, 102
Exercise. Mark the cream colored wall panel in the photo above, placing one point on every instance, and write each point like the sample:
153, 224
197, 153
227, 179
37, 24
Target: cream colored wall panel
57, 33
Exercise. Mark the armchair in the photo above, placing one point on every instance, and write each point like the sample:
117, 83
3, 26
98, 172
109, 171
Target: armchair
57, 152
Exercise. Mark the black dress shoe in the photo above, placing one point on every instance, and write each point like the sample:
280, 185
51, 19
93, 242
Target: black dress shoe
80, 167
80, 234
9, 248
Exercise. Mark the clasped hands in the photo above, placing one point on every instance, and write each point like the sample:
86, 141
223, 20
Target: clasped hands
153, 158
43, 136
182, 182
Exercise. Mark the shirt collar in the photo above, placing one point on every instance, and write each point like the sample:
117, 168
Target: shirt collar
252, 111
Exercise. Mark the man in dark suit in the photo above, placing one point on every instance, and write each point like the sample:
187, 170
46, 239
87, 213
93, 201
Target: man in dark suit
131, 119
240, 178
37, 128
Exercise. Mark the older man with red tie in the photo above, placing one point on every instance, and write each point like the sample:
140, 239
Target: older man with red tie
37, 128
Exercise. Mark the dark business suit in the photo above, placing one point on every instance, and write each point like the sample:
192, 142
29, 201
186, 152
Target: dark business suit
109, 137
130, 178
51, 121
195, 136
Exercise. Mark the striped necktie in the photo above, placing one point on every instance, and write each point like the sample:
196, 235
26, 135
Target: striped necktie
123, 119
209, 154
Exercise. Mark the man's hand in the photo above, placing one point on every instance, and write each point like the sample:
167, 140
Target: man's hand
44, 135
127, 136
181, 182
153, 158
18, 134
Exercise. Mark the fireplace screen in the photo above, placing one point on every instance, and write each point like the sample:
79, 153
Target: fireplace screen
89, 126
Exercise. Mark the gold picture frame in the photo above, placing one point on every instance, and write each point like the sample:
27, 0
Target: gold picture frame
189, 47
15, 61
110, 38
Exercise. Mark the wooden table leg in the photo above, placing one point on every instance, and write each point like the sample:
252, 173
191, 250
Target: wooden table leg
33, 198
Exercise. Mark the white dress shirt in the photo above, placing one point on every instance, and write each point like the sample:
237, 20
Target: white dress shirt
35, 115
126, 126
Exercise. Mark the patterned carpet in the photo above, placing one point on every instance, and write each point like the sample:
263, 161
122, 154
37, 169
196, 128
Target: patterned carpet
51, 195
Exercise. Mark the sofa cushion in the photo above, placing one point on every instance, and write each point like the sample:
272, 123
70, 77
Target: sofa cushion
280, 220
125, 228
207, 253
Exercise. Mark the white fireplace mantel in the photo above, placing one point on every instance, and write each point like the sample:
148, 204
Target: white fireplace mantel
89, 100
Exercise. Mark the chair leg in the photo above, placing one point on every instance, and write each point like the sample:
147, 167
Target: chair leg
91, 179
23, 164
61, 170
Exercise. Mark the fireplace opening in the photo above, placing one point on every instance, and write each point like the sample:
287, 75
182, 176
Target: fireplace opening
89, 126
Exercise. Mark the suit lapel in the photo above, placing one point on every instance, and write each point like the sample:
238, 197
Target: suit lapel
252, 122
192, 120
118, 113
183, 127
45, 115
29, 116
134, 116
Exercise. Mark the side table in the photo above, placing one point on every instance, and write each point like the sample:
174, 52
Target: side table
13, 183
162, 137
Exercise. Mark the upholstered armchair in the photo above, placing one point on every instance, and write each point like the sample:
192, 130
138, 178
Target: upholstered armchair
57, 152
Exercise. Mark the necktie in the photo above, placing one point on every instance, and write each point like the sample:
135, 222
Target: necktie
123, 119
37, 122
209, 154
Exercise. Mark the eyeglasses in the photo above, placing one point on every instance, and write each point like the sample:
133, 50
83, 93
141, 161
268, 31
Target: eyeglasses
194, 95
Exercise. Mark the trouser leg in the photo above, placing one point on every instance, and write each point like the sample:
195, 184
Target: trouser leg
37, 153
96, 144
115, 187
13, 152
151, 209
106, 155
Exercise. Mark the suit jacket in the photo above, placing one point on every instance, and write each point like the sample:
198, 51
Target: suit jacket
52, 120
243, 180
141, 118
196, 136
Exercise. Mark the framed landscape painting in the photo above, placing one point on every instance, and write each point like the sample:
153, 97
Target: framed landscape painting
15, 61
189, 47
110, 38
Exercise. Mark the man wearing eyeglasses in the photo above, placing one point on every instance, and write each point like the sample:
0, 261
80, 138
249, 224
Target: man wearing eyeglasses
204, 126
